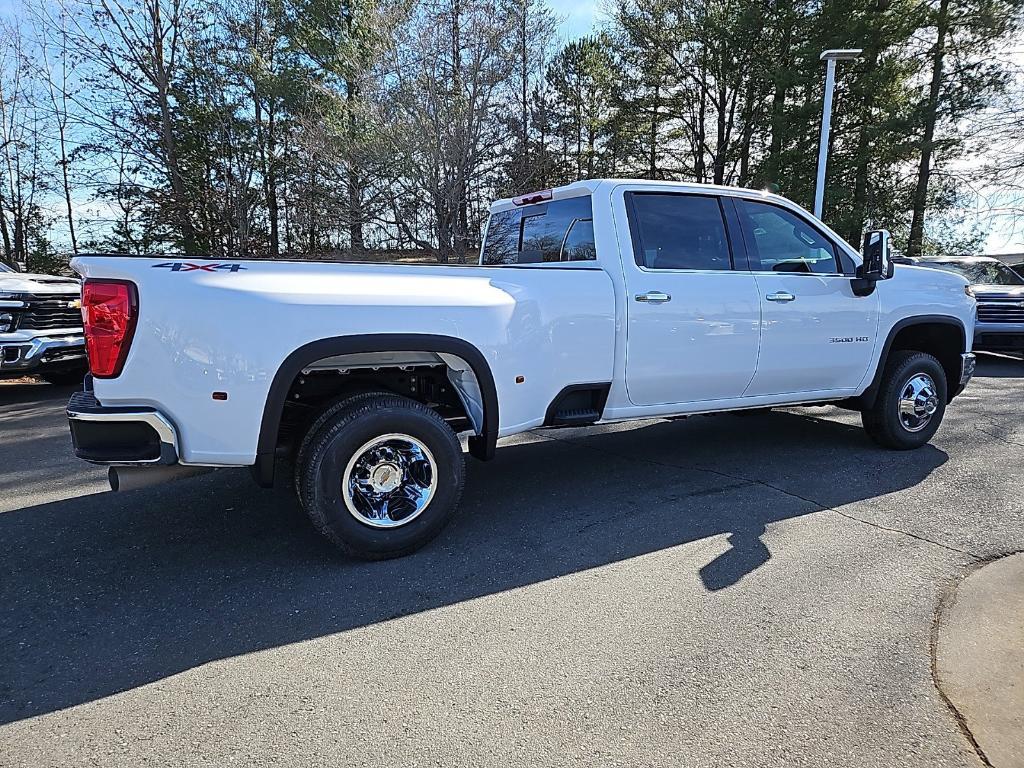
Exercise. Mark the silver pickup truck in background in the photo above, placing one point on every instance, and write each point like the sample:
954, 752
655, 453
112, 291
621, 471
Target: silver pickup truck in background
41, 327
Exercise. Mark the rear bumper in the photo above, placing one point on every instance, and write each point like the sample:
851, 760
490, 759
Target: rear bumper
120, 436
42, 352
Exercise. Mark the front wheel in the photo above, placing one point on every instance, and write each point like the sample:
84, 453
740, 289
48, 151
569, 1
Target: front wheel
911, 401
381, 477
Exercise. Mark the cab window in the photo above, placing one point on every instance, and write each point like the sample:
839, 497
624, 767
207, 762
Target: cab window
780, 241
502, 243
579, 242
558, 231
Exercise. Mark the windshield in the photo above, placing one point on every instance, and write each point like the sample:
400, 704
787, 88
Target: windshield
5, 268
979, 272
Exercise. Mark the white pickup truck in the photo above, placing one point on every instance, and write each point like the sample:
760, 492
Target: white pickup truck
604, 300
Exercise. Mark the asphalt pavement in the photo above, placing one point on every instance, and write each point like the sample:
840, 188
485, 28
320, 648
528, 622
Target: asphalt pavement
755, 590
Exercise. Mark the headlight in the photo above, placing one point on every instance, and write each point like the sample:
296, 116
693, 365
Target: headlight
8, 303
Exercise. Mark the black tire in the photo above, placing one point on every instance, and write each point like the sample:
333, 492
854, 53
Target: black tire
313, 430
63, 378
338, 440
883, 422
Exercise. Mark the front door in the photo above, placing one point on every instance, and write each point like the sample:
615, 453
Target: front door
816, 335
692, 319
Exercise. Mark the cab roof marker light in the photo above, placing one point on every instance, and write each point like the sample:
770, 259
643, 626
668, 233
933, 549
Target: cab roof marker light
532, 197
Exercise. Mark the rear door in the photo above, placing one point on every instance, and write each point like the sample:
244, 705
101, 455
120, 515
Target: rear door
692, 317
816, 334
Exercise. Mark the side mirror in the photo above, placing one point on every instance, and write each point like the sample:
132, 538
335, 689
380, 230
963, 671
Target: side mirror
878, 264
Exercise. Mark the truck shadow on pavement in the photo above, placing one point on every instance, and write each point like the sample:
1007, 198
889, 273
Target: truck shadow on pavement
107, 592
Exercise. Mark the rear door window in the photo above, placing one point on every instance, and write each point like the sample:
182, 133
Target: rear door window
675, 231
559, 231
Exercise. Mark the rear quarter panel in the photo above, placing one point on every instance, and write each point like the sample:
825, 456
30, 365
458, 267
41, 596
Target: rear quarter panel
200, 332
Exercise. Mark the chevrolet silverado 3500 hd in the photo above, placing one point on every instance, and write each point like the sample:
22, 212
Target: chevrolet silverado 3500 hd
603, 300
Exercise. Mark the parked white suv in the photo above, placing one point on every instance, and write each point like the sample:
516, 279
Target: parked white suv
41, 327
601, 301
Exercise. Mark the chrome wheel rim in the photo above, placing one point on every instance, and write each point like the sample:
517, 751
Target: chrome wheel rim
919, 400
389, 481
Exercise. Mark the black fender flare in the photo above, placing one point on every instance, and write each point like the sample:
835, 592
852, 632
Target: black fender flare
481, 446
867, 398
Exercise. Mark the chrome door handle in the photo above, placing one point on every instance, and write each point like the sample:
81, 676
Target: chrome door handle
653, 297
780, 296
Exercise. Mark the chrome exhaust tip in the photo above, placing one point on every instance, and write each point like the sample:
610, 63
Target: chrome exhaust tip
132, 478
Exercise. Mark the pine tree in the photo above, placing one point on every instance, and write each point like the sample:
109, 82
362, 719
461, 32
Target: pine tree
962, 79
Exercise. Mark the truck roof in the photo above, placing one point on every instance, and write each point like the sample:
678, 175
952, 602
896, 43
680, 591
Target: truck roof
590, 186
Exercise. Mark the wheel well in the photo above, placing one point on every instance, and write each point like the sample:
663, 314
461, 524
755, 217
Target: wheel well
940, 336
943, 341
423, 377
445, 373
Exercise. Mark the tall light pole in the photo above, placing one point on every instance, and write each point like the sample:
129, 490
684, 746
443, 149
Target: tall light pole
830, 58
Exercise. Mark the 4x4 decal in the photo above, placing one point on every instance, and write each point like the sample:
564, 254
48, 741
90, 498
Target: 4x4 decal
187, 266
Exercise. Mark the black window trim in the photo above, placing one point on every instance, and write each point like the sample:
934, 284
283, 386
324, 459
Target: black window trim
634, 228
749, 248
735, 231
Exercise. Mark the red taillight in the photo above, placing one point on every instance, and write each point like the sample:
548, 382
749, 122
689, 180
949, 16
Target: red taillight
109, 311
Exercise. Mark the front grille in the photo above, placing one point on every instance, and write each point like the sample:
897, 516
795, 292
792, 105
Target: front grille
1005, 311
48, 314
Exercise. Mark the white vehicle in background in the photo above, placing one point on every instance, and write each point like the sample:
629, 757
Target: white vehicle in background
41, 327
604, 300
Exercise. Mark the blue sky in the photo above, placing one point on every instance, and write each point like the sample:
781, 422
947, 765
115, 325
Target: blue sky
578, 16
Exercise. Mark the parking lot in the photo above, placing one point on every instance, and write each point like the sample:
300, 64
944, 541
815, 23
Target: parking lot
731, 590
